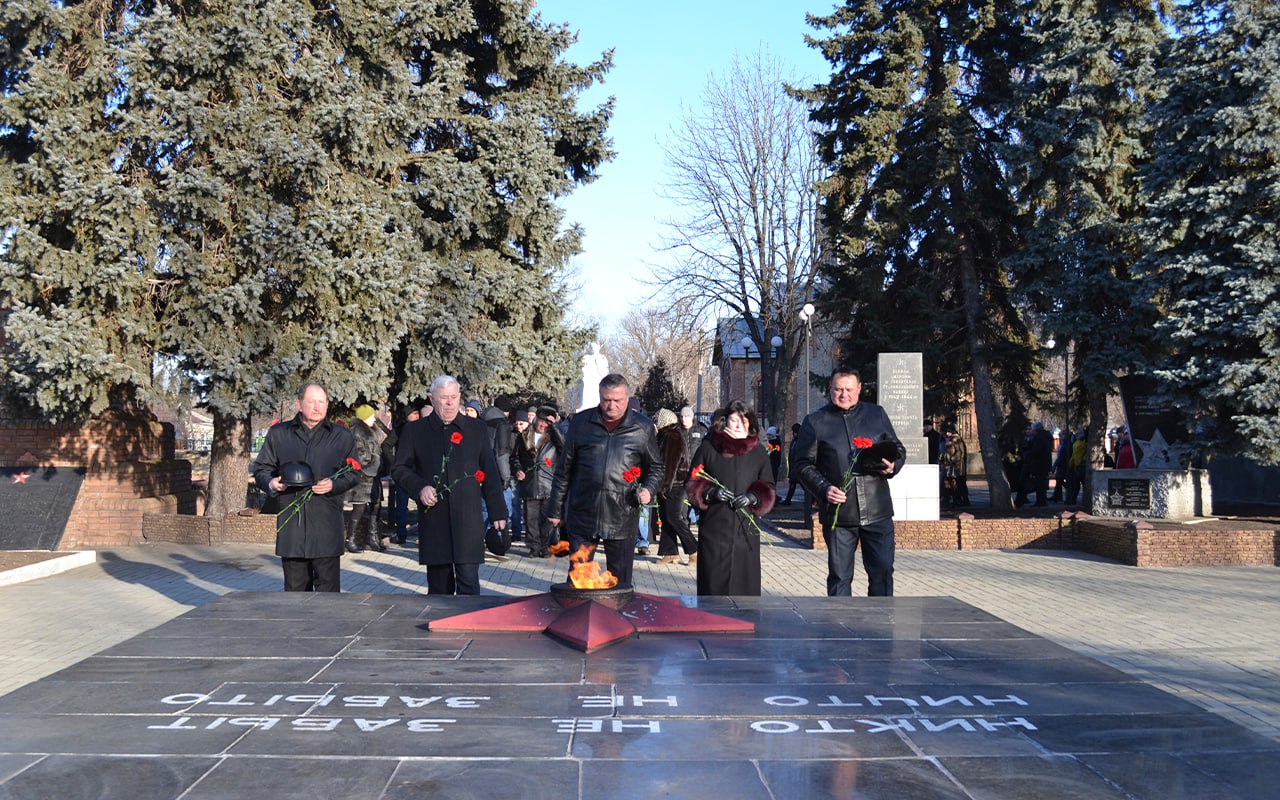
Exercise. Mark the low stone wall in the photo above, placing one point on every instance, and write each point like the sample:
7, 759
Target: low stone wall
938, 534
1014, 533
1109, 539
1185, 548
184, 529
1136, 543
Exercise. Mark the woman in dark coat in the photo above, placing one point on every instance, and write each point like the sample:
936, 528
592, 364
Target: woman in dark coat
731, 475
533, 462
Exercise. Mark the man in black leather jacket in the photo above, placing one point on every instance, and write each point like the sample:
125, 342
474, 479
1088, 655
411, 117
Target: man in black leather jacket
854, 502
608, 469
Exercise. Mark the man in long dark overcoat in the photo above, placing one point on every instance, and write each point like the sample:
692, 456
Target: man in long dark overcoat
308, 534
445, 461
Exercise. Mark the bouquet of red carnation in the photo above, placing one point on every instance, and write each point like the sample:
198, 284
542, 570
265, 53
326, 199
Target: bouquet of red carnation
631, 475
857, 446
290, 511
454, 439
700, 471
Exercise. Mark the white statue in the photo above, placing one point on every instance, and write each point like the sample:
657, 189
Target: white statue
594, 367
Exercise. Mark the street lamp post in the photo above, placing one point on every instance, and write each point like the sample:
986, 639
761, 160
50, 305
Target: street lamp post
806, 316
774, 343
747, 344
1066, 381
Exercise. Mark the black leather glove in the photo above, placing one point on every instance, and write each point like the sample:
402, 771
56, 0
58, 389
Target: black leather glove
724, 495
743, 501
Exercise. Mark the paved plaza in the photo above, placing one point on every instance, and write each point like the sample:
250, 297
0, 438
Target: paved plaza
1210, 635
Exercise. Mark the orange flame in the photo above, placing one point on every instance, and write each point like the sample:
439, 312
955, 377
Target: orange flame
585, 572
560, 548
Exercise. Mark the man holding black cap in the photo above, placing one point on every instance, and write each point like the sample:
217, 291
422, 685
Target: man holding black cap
305, 453
845, 451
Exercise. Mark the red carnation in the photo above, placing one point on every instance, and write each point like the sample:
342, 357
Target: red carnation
355, 465
546, 460
479, 476
861, 442
456, 437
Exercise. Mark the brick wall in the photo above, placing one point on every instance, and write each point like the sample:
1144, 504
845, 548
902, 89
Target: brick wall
1136, 543
1109, 539
926, 534
110, 439
1184, 548
130, 471
1015, 533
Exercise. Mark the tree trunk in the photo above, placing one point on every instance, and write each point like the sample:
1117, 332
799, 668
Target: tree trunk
228, 465
1097, 442
984, 402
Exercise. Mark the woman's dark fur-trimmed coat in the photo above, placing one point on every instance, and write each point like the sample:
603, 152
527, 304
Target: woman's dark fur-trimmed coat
451, 531
728, 544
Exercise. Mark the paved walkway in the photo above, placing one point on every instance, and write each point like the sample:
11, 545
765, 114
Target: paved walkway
1208, 634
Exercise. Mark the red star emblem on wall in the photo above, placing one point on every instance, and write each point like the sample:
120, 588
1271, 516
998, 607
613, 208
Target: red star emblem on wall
21, 477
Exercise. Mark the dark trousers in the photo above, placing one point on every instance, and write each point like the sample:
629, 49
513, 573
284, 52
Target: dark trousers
400, 511
877, 559
453, 579
538, 531
515, 512
674, 524
1075, 479
791, 491
619, 554
312, 574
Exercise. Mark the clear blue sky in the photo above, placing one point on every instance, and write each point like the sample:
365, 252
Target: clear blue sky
664, 54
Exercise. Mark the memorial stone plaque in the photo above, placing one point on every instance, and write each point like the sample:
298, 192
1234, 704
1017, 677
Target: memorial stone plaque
901, 394
1132, 493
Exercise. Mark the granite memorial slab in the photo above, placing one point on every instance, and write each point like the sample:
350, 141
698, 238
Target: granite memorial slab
356, 696
900, 392
35, 504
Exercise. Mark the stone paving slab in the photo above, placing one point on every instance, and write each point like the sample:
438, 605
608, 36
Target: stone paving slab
1209, 635
536, 718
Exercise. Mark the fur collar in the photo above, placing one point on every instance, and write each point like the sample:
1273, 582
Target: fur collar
729, 446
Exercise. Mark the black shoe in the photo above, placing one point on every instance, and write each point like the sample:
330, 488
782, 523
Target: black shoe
397, 540
352, 548
642, 551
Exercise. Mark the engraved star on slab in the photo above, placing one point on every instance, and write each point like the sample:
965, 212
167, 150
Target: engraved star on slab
590, 625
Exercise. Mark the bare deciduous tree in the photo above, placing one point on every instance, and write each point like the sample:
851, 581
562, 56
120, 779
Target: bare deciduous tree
743, 169
674, 334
